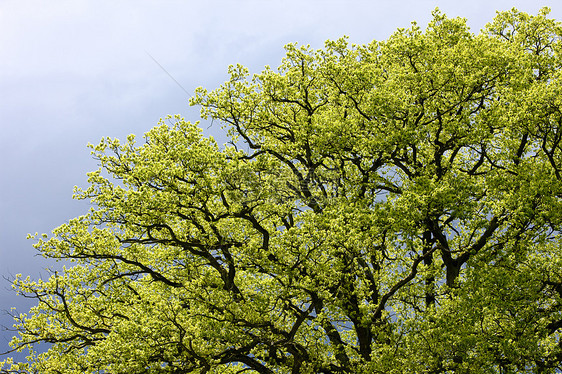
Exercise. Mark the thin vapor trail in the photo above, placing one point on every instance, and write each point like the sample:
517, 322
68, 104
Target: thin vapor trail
170, 75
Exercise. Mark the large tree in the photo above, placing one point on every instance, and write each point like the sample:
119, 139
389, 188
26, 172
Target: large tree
394, 207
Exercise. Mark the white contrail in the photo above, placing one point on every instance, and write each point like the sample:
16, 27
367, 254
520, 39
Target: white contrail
170, 75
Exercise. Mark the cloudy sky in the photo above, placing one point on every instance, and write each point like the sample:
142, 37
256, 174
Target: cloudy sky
72, 72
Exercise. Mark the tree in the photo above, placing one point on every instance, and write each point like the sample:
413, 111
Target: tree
388, 208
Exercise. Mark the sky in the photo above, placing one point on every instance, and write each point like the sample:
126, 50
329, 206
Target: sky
72, 72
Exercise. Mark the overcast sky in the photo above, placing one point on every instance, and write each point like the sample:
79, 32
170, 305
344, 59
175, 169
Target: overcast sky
72, 72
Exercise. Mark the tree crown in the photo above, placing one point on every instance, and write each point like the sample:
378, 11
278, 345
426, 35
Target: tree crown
392, 207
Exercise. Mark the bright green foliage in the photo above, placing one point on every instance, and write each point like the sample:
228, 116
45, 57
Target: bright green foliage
388, 208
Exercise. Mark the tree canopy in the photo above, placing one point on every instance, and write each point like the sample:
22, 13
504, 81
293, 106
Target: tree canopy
393, 207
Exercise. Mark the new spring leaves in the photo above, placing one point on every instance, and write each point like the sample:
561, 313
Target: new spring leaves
393, 207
